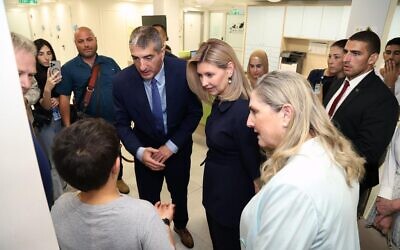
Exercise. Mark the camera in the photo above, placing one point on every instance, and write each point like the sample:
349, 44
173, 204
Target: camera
55, 67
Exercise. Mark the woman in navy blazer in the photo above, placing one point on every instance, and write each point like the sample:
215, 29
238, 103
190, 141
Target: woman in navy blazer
232, 163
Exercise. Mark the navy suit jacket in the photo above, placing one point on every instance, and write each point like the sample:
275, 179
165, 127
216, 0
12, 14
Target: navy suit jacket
367, 117
184, 109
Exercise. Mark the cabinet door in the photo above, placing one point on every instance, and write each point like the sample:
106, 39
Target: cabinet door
293, 21
310, 27
331, 22
264, 31
341, 34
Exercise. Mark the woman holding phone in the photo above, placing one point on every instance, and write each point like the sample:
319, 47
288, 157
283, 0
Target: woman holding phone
47, 119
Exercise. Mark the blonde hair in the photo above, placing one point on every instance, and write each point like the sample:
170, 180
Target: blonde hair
264, 61
310, 118
218, 53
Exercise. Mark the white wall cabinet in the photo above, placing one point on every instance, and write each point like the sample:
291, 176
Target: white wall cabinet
334, 22
311, 24
293, 21
316, 22
264, 31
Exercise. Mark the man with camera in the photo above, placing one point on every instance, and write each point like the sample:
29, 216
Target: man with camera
89, 76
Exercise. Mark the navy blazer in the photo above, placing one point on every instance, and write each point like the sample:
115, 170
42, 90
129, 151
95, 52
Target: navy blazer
184, 109
367, 117
232, 163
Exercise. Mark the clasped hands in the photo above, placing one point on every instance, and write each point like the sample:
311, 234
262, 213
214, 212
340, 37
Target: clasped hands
155, 158
385, 208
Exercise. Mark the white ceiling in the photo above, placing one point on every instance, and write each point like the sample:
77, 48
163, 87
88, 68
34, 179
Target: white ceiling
203, 4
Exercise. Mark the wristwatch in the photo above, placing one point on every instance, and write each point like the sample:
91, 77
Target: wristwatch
166, 221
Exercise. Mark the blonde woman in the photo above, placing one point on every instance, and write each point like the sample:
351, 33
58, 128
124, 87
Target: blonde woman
257, 66
233, 159
309, 200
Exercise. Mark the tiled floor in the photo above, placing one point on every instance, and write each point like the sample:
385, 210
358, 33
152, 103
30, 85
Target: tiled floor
370, 239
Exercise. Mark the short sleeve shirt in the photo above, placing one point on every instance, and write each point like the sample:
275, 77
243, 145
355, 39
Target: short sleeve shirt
75, 77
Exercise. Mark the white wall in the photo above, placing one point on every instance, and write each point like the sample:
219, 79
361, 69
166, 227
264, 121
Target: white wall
368, 13
394, 30
111, 21
18, 21
25, 221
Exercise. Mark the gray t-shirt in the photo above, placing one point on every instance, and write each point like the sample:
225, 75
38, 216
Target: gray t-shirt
125, 223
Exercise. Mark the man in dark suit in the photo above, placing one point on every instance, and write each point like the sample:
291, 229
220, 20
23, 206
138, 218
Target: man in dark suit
153, 94
363, 108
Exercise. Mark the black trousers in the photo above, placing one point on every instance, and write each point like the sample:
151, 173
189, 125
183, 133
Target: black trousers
176, 174
223, 237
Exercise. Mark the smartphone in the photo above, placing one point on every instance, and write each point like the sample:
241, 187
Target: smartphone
55, 67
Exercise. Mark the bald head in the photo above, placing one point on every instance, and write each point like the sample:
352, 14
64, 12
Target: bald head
85, 42
83, 29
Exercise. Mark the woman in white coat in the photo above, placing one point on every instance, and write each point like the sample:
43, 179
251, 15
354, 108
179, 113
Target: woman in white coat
309, 199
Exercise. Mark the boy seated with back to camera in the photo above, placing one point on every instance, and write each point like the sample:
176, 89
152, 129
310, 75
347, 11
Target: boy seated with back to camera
86, 155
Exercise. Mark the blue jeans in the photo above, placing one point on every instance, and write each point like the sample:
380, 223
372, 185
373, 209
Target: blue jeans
46, 137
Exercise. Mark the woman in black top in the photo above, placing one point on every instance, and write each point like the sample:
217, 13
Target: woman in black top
325, 77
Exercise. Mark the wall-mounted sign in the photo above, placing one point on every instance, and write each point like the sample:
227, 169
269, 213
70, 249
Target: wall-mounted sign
27, 1
235, 11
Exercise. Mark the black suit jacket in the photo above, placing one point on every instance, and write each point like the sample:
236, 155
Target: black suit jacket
184, 109
367, 117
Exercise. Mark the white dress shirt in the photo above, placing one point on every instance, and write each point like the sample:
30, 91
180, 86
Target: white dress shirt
353, 84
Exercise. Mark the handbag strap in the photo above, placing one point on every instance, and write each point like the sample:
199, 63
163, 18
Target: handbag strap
91, 85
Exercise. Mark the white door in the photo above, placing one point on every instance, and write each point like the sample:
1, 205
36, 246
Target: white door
217, 25
192, 30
